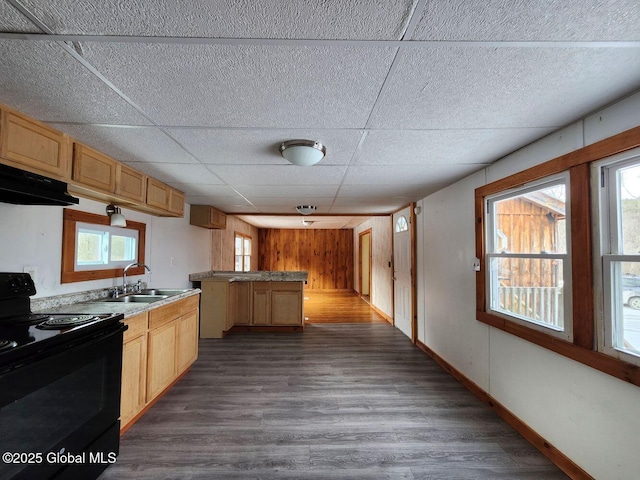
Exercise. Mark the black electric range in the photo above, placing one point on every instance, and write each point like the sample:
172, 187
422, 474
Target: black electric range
60, 380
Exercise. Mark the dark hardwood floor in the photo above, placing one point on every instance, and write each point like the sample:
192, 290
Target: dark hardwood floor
339, 401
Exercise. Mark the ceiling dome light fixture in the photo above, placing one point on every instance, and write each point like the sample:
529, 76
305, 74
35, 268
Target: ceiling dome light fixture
303, 153
116, 216
305, 209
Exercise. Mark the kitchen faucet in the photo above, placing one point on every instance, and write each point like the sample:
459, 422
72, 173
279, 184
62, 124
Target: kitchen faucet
126, 269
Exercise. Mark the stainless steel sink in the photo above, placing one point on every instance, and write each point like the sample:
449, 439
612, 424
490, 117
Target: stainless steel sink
137, 298
163, 291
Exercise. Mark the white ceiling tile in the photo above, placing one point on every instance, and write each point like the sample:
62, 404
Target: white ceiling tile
370, 210
288, 210
354, 19
510, 20
260, 147
276, 191
223, 203
178, 172
139, 144
436, 88
295, 221
383, 191
279, 175
205, 190
426, 147
292, 202
42, 80
11, 20
407, 175
247, 85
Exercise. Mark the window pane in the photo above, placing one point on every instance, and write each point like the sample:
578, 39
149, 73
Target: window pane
626, 296
247, 246
238, 266
123, 248
629, 204
401, 224
247, 263
530, 289
90, 247
238, 245
533, 222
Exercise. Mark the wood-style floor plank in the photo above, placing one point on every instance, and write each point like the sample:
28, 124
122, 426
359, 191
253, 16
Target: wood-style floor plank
339, 401
337, 307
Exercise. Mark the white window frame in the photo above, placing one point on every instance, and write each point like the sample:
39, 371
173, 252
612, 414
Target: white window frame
566, 333
108, 232
606, 247
243, 236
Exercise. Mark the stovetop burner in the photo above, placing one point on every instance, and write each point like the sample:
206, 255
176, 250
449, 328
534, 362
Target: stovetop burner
57, 323
7, 344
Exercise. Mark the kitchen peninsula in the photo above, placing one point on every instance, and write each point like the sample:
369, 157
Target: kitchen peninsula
249, 301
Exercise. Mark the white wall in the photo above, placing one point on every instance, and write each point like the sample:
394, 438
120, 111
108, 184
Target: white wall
593, 418
32, 236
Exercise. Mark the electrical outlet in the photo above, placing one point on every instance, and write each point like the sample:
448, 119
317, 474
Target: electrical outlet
172, 262
32, 271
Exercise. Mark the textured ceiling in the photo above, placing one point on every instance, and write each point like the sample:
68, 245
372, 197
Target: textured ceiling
408, 96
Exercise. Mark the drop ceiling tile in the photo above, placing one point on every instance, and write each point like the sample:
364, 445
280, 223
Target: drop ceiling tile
223, 203
359, 19
178, 172
427, 147
290, 203
11, 20
42, 80
279, 175
407, 175
247, 85
276, 191
261, 146
137, 144
440, 88
205, 190
370, 210
512, 20
371, 201
369, 191
287, 210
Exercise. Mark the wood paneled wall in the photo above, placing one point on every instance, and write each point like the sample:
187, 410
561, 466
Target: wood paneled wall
222, 249
326, 254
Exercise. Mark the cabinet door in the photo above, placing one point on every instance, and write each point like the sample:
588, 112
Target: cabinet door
130, 183
161, 368
176, 202
41, 149
261, 303
134, 376
187, 340
286, 307
240, 297
93, 169
157, 194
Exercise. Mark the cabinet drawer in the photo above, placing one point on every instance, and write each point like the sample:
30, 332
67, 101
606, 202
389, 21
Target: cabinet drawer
165, 314
137, 326
288, 286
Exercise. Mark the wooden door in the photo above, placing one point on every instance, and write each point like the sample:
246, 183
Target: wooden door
134, 377
261, 303
402, 291
187, 340
161, 370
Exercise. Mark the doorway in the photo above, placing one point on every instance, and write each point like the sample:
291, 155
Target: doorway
402, 271
364, 265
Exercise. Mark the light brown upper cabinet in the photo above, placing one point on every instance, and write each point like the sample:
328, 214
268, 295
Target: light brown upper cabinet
93, 169
157, 194
31, 145
176, 202
130, 183
208, 217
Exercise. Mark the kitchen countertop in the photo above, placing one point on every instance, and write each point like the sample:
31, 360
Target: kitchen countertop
253, 276
94, 306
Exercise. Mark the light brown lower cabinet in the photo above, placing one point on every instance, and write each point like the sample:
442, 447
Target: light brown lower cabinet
249, 304
158, 347
134, 368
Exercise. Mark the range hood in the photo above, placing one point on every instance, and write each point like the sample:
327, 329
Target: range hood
25, 188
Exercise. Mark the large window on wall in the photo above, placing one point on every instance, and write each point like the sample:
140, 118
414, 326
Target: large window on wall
92, 249
528, 263
619, 221
559, 252
242, 252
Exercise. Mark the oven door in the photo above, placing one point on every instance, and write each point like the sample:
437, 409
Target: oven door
58, 404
